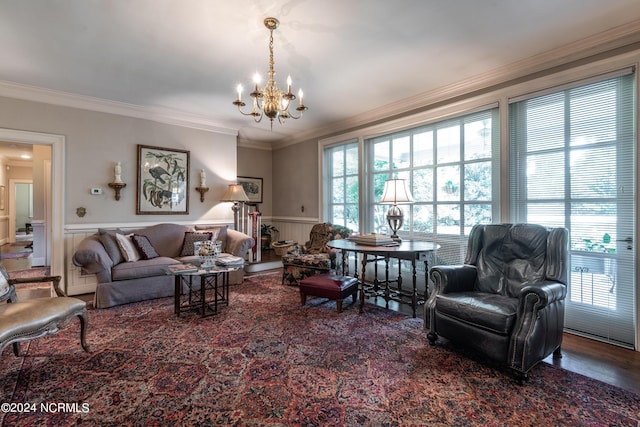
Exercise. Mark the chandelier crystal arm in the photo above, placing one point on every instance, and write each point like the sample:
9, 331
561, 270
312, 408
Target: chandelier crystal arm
271, 101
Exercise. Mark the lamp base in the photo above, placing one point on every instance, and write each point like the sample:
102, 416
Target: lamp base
395, 219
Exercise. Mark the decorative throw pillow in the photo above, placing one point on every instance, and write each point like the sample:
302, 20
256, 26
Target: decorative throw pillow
129, 251
108, 240
144, 247
193, 236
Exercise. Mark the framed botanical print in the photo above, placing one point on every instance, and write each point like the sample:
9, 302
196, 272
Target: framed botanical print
252, 188
163, 181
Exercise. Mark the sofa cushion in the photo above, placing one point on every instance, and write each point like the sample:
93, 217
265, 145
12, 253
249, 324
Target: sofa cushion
129, 251
496, 313
142, 268
193, 236
166, 238
108, 239
144, 247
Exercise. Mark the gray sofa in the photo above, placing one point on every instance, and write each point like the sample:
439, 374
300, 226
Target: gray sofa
122, 282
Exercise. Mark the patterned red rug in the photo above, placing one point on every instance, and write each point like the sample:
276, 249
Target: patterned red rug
267, 361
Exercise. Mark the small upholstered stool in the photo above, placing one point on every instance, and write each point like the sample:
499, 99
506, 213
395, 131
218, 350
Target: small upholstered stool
329, 286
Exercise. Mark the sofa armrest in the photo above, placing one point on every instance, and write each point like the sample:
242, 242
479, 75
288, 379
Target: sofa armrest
238, 243
91, 256
453, 278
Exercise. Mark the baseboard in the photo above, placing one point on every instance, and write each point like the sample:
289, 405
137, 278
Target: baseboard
256, 267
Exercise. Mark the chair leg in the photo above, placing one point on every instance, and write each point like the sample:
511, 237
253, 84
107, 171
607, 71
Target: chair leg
354, 296
83, 331
303, 298
339, 305
16, 349
432, 337
557, 353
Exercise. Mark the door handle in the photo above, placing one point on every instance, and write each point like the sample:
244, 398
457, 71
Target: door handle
628, 241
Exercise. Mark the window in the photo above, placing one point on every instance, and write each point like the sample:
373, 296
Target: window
450, 166
572, 166
341, 172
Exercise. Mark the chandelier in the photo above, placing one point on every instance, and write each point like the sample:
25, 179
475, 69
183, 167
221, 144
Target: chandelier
271, 101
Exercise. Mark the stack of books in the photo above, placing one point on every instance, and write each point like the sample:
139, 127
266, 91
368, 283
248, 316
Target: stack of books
373, 239
182, 268
227, 260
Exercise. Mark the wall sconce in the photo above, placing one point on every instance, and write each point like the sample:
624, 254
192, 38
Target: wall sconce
117, 183
202, 188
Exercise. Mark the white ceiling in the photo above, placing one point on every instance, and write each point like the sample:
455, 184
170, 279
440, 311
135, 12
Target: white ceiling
349, 56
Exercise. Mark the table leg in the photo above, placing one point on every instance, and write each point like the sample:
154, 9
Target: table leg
203, 295
362, 278
387, 293
414, 294
215, 292
177, 293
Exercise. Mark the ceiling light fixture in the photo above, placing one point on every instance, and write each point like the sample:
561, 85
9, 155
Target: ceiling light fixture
271, 101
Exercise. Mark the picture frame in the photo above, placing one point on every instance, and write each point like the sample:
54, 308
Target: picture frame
252, 188
162, 181
2, 196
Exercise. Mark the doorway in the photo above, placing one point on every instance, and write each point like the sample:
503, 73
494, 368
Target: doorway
52, 225
23, 206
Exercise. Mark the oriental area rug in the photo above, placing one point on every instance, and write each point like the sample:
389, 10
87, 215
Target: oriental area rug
265, 360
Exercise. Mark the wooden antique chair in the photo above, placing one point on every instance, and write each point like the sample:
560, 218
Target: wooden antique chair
34, 318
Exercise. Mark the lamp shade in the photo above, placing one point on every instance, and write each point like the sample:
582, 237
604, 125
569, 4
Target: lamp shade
396, 192
235, 193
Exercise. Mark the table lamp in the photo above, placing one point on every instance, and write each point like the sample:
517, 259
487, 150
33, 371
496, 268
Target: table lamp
235, 193
395, 192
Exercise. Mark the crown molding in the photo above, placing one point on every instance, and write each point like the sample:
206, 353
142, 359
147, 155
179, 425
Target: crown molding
607, 42
65, 99
244, 143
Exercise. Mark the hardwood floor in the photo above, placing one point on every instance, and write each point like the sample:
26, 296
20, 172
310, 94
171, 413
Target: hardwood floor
605, 362
608, 363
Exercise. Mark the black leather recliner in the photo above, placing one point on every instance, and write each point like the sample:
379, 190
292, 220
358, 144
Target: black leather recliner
507, 300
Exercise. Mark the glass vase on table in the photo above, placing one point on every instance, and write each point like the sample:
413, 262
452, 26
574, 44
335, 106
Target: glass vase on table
207, 251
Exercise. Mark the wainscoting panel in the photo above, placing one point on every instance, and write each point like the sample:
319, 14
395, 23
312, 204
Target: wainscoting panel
76, 283
294, 229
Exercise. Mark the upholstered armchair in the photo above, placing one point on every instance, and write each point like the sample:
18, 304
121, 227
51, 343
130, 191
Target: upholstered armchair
507, 301
34, 318
314, 257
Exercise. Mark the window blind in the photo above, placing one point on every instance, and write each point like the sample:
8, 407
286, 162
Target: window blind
572, 165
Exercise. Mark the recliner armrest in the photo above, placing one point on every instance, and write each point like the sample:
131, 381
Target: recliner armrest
453, 278
546, 293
